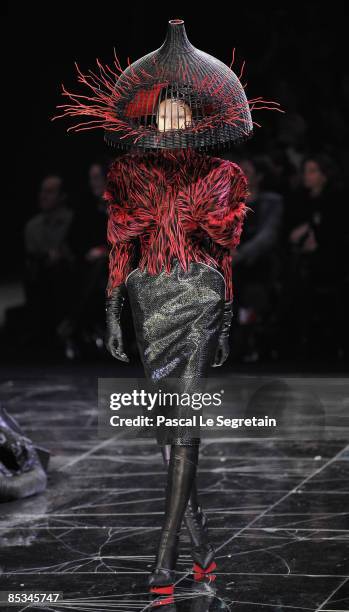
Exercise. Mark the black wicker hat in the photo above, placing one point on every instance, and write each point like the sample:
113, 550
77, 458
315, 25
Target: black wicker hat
172, 98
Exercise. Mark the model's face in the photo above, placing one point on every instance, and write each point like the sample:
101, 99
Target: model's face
173, 115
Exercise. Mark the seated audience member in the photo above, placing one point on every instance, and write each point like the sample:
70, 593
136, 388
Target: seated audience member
88, 242
317, 234
256, 263
48, 259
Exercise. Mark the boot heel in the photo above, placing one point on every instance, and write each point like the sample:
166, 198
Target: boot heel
165, 593
201, 573
163, 590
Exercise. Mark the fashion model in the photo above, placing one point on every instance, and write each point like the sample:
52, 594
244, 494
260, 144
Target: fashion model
176, 211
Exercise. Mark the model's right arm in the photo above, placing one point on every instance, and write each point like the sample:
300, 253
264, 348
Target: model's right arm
128, 218
121, 232
122, 228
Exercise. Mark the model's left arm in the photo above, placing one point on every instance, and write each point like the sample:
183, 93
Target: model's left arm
223, 214
222, 219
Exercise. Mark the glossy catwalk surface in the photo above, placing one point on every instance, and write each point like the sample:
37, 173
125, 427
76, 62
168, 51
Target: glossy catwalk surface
278, 513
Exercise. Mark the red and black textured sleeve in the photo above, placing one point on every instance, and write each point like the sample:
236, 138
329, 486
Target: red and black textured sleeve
121, 229
222, 215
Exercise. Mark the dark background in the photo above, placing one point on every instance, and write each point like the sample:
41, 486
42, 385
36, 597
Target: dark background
295, 54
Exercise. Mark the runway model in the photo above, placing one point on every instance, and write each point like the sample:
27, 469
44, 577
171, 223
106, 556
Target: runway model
176, 211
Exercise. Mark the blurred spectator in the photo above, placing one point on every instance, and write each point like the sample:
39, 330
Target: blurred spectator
88, 234
48, 259
256, 264
87, 240
314, 229
284, 173
45, 233
317, 234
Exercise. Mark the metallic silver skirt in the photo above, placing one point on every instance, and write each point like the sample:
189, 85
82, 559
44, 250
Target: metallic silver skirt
177, 318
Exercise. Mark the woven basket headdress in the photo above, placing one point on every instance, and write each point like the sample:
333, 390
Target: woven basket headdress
131, 104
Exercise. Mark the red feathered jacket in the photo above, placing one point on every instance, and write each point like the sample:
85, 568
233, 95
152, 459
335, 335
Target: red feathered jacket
183, 205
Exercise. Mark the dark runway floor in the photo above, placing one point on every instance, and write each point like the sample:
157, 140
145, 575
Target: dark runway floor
278, 512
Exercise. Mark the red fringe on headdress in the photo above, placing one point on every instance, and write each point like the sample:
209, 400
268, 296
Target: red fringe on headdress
106, 94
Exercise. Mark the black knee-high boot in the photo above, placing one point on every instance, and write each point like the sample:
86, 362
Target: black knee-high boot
180, 477
196, 523
193, 502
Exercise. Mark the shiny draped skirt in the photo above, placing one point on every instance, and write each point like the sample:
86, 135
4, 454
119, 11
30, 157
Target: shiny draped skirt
177, 318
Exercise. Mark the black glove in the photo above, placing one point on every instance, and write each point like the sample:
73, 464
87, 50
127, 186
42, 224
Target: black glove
222, 351
113, 307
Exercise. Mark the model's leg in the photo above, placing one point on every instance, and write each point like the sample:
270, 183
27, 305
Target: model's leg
196, 522
193, 498
193, 511
180, 478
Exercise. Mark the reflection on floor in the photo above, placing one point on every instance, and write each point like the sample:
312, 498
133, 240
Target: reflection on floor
278, 514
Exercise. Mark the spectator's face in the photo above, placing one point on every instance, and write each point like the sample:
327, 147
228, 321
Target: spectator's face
97, 180
313, 178
50, 193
